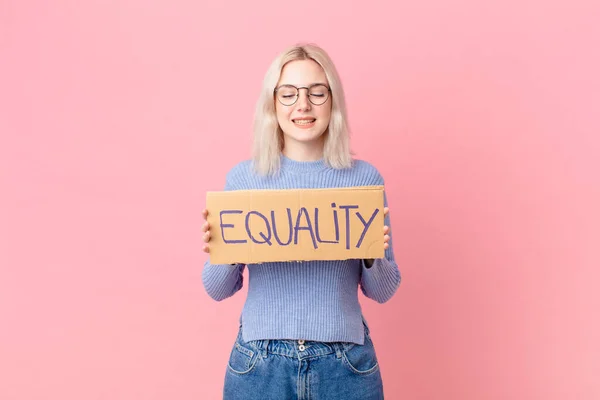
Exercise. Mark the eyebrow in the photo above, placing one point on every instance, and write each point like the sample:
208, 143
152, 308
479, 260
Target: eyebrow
310, 84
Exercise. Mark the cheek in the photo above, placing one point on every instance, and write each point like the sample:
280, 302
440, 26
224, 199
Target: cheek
282, 114
325, 111
325, 115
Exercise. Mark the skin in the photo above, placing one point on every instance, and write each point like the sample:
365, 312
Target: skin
303, 144
300, 144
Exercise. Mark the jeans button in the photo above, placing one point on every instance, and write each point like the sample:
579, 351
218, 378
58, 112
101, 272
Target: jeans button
301, 341
301, 347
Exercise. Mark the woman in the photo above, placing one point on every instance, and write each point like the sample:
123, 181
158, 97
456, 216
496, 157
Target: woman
302, 333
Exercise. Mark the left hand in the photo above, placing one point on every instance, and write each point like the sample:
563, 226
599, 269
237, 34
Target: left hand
386, 238
386, 230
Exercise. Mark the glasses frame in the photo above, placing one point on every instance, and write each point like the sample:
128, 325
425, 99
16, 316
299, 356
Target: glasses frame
307, 93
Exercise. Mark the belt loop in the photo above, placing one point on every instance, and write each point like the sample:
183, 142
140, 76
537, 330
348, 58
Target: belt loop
265, 346
338, 350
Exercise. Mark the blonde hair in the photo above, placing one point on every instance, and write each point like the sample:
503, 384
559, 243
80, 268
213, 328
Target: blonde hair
268, 136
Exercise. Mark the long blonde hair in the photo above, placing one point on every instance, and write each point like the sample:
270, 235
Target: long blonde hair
268, 136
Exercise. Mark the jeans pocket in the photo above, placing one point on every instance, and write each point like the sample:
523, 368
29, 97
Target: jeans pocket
361, 359
242, 358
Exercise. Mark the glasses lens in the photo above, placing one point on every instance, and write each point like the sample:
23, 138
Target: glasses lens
319, 94
287, 95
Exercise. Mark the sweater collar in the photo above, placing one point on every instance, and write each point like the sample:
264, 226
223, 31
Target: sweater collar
287, 164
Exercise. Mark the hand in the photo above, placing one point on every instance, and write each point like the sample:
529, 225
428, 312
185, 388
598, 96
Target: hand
386, 230
386, 238
206, 230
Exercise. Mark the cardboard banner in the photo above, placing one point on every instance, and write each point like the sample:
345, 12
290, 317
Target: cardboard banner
253, 226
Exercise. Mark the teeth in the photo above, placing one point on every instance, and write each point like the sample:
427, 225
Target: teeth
304, 121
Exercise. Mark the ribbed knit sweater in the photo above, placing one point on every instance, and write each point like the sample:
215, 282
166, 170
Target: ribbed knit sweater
310, 300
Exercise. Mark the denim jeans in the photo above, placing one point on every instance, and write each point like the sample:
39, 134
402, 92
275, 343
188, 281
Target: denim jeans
302, 370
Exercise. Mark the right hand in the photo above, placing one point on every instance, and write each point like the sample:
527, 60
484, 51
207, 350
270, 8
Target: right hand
206, 230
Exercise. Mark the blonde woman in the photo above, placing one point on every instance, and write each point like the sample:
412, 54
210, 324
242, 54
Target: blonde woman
302, 332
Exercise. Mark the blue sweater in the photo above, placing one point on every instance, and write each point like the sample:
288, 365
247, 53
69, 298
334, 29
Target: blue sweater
310, 300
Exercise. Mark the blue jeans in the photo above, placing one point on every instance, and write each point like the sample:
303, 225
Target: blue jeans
302, 370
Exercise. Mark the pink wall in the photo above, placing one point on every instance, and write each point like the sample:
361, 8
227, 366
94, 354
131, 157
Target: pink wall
117, 117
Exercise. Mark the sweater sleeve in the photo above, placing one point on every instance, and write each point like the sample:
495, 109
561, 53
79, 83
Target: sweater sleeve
380, 281
223, 280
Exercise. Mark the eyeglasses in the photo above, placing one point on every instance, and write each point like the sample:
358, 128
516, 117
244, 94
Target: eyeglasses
288, 94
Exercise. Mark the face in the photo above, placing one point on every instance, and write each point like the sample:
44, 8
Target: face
304, 122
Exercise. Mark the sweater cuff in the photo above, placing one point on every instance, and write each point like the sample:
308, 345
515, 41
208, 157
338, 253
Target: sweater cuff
381, 281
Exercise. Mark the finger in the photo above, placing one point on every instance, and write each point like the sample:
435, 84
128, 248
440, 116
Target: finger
206, 248
385, 246
386, 229
386, 210
205, 213
206, 237
386, 238
205, 227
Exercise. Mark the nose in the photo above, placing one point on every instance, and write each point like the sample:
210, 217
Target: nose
303, 102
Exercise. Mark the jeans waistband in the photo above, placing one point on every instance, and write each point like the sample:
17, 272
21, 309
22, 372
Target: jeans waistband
296, 348
292, 348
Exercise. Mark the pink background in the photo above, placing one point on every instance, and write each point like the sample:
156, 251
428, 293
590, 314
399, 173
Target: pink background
117, 116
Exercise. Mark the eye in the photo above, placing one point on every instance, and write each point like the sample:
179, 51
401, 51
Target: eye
319, 91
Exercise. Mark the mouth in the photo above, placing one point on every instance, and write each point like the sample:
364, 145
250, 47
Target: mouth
304, 122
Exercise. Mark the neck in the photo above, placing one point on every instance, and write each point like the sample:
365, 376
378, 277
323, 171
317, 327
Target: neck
297, 151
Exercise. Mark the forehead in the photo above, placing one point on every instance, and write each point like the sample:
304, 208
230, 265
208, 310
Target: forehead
301, 73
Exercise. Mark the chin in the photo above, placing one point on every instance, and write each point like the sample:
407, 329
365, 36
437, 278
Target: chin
305, 135
306, 138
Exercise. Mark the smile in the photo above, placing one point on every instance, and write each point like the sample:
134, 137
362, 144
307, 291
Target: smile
304, 123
